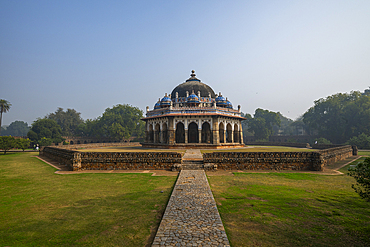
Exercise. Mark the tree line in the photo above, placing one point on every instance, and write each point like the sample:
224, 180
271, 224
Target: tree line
119, 123
342, 118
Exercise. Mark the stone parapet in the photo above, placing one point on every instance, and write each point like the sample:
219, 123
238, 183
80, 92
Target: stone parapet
65, 157
314, 161
79, 161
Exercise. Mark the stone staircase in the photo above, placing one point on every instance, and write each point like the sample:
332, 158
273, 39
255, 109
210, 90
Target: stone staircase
193, 160
192, 165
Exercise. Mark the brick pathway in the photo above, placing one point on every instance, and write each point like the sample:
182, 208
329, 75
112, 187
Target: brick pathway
191, 217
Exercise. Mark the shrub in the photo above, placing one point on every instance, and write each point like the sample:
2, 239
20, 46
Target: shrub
322, 140
362, 141
361, 174
6, 143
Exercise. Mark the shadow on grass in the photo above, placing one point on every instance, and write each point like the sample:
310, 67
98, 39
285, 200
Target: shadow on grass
129, 219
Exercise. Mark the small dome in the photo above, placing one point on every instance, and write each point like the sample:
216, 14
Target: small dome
165, 101
221, 101
157, 105
192, 98
229, 105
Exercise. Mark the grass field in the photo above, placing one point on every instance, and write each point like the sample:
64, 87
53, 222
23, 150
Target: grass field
364, 153
291, 209
40, 208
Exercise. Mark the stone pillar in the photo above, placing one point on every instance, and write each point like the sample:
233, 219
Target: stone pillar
232, 134
186, 136
171, 131
215, 133
241, 134
199, 136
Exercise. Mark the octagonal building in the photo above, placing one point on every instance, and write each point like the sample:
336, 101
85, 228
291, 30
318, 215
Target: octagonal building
193, 116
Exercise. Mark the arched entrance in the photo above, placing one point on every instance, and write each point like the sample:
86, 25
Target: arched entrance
193, 135
236, 133
157, 133
180, 133
206, 133
221, 133
164, 134
229, 133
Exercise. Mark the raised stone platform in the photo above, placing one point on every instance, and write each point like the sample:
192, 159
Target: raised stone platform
191, 217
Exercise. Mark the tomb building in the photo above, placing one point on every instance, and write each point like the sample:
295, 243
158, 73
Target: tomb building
193, 116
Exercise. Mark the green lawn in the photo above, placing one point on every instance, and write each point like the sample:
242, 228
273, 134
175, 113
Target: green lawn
291, 209
364, 153
41, 208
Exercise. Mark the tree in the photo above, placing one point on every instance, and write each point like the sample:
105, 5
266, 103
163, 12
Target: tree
45, 128
22, 143
340, 117
362, 141
4, 107
6, 143
17, 128
262, 123
322, 140
361, 174
68, 120
121, 122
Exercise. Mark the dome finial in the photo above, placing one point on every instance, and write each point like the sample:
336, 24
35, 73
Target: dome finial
193, 73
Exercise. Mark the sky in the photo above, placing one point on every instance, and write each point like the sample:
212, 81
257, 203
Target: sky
91, 55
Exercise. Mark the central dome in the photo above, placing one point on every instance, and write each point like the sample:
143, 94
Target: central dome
193, 84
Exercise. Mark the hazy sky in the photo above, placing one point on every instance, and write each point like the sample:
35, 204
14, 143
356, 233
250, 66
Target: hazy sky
91, 55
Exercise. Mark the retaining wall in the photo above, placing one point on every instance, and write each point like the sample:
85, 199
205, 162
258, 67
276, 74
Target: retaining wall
314, 161
79, 161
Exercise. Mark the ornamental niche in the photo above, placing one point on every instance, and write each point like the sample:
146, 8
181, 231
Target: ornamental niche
193, 116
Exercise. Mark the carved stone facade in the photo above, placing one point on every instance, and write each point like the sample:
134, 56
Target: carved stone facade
193, 116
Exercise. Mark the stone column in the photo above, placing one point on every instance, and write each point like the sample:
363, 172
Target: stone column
215, 133
241, 134
186, 135
200, 136
171, 131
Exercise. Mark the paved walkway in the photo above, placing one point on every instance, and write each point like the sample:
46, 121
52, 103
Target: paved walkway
191, 217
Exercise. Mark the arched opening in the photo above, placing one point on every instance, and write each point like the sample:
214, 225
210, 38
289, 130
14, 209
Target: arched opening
236, 133
164, 133
78, 142
221, 133
180, 133
229, 133
150, 134
193, 135
71, 142
206, 133
157, 133
85, 142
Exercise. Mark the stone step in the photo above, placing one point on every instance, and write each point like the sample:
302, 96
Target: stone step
199, 162
192, 167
